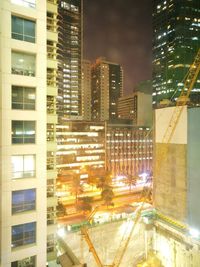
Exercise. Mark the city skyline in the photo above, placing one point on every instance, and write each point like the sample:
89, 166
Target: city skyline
123, 34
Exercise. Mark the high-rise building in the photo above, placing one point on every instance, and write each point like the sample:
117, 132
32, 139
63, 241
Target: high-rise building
128, 149
81, 151
137, 107
69, 56
86, 90
52, 91
107, 87
176, 31
28, 117
23, 120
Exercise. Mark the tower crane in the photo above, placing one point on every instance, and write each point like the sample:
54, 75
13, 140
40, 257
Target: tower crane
182, 100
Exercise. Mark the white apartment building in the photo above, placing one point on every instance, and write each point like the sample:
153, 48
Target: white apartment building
27, 110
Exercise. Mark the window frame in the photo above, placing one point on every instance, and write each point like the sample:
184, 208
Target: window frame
23, 202
23, 104
23, 64
22, 36
24, 173
24, 3
22, 137
25, 237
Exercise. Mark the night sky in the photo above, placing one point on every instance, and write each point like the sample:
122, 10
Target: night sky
121, 31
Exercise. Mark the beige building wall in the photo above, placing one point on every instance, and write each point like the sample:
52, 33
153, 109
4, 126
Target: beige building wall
7, 184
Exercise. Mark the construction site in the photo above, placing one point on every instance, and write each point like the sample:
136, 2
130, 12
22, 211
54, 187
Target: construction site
170, 236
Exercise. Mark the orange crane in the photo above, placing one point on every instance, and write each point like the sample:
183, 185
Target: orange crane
180, 103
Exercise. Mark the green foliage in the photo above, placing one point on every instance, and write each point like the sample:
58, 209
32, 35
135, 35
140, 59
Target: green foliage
107, 195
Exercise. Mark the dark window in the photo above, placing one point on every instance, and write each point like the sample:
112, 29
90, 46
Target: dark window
27, 262
23, 200
23, 29
23, 132
23, 234
23, 98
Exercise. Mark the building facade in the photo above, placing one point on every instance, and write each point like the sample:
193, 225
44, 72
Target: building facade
107, 87
69, 56
52, 120
176, 41
128, 149
80, 151
86, 90
137, 107
23, 133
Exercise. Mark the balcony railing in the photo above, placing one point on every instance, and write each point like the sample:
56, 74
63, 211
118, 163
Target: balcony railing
51, 24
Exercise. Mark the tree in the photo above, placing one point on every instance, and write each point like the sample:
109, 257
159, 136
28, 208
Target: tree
131, 180
104, 181
107, 195
85, 204
61, 211
76, 187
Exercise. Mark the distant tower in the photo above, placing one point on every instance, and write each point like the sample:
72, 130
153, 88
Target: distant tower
107, 87
137, 107
69, 59
86, 90
176, 31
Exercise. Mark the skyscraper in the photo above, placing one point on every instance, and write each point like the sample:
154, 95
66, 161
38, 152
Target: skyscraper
137, 107
107, 87
176, 31
86, 90
28, 92
69, 59
23, 120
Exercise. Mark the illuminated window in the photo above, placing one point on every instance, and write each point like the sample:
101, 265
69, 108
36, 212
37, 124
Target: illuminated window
23, 234
23, 166
23, 29
23, 64
23, 97
25, 3
23, 132
23, 200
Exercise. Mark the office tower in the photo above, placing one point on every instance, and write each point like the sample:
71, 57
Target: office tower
69, 59
107, 87
176, 41
137, 107
81, 152
52, 91
128, 149
23, 133
86, 90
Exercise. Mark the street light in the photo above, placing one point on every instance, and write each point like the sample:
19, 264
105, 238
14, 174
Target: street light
194, 233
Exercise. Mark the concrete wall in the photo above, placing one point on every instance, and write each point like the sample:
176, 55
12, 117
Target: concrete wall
145, 112
170, 179
193, 167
